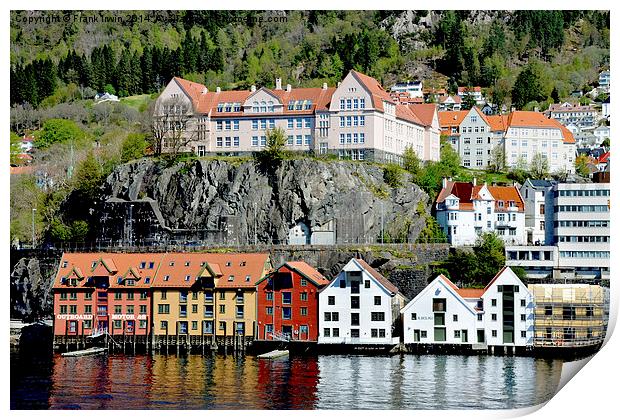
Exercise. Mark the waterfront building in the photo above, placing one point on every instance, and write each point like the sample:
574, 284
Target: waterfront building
569, 315
103, 293
508, 311
465, 210
356, 120
577, 241
443, 313
538, 199
288, 303
207, 297
359, 306
500, 315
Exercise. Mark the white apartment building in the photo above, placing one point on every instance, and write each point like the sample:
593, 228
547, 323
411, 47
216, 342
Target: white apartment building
356, 120
577, 233
529, 134
604, 80
465, 210
500, 315
583, 116
414, 89
359, 306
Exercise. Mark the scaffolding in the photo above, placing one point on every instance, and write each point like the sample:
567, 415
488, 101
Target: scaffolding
569, 315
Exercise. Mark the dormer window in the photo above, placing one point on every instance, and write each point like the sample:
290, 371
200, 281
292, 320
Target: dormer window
166, 277
94, 264
255, 106
73, 282
143, 264
187, 278
511, 203
64, 264
63, 280
119, 280
147, 280
130, 282
247, 278
171, 263
220, 107
228, 263
500, 204
291, 105
242, 264
237, 107
186, 263
231, 278
151, 264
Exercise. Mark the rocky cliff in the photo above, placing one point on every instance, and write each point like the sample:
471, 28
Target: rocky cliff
31, 282
218, 201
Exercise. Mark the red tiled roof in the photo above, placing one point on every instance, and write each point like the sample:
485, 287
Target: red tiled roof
463, 89
497, 122
471, 293
377, 92
424, 112
603, 158
308, 272
377, 276
405, 113
21, 170
507, 194
466, 192
455, 98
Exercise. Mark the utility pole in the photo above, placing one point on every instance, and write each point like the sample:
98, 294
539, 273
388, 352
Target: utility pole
33, 211
254, 223
130, 233
382, 222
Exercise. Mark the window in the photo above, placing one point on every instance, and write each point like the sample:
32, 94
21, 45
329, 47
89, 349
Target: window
493, 317
303, 296
343, 283
377, 300
326, 332
239, 311
130, 309
479, 317
269, 296
208, 310
331, 300
355, 319
414, 316
355, 302
493, 333
457, 334
493, 302
63, 309
377, 316
163, 325
222, 325
335, 332
523, 303
88, 309
355, 333
222, 295
222, 309
286, 313
439, 305
73, 309
118, 309
118, 296
455, 318
286, 298
303, 311
88, 295
327, 316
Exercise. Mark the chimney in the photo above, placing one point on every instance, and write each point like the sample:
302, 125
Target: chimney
444, 182
218, 89
205, 90
324, 86
253, 88
288, 87
513, 109
536, 109
278, 83
338, 84
474, 181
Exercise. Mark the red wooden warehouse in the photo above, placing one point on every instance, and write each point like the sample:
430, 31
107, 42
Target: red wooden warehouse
97, 293
287, 303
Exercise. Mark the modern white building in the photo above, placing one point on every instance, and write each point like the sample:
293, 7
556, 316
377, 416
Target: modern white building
508, 311
358, 120
577, 239
449, 103
414, 89
359, 306
465, 210
605, 111
440, 314
500, 315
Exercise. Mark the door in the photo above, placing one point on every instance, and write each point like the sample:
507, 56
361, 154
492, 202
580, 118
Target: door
416, 335
287, 331
464, 337
481, 336
102, 325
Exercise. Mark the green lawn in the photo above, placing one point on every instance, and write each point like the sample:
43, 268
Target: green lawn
135, 101
482, 176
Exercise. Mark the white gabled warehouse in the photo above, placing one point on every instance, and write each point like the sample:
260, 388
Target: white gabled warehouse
441, 314
508, 311
359, 306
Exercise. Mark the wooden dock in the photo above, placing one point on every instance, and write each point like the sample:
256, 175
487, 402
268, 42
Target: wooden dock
85, 352
274, 354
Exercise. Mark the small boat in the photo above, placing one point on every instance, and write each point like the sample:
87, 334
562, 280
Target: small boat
274, 354
85, 352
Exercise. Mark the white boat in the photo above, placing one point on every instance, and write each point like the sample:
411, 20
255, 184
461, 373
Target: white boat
85, 352
274, 354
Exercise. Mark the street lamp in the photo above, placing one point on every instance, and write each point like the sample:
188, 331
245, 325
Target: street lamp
33, 210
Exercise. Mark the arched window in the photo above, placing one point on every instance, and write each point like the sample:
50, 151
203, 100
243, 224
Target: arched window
255, 106
270, 106
263, 106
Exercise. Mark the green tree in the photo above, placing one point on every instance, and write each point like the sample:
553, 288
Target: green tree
527, 88
393, 175
489, 250
605, 143
15, 149
88, 177
468, 102
581, 166
497, 163
555, 95
432, 231
133, 147
539, 166
57, 130
411, 163
275, 149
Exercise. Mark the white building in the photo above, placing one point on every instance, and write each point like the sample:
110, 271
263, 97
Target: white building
538, 198
357, 120
440, 314
465, 210
475, 92
414, 89
601, 133
500, 315
583, 116
508, 311
359, 306
604, 80
578, 246
605, 108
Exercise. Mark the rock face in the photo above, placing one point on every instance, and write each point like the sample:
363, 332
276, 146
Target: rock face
215, 201
31, 295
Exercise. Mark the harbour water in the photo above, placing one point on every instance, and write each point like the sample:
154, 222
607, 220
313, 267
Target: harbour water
305, 382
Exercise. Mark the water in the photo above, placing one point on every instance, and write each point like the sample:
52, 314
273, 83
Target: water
308, 382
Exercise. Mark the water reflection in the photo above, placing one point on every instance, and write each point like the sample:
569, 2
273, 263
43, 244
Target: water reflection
323, 382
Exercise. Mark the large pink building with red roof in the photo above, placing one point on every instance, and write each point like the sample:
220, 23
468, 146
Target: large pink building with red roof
357, 120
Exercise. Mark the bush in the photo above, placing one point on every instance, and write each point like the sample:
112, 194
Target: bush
134, 147
59, 131
393, 175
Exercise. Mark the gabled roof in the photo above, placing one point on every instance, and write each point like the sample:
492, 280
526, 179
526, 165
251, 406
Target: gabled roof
603, 158
499, 273
459, 294
540, 183
424, 112
497, 122
375, 89
467, 192
303, 269
451, 118
377, 276
457, 99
